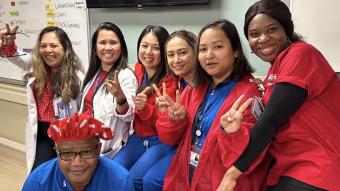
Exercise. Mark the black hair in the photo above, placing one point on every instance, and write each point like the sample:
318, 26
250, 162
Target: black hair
162, 68
241, 64
95, 62
278, 11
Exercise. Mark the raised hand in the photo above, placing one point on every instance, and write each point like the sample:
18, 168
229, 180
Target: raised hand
8, 35
231, 121
161, 99
114, 87
176, 110
141, 98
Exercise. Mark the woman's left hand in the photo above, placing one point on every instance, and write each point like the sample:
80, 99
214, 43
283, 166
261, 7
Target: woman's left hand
231, 121
114, 87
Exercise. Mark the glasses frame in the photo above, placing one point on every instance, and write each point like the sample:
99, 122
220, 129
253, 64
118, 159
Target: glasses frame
81, 153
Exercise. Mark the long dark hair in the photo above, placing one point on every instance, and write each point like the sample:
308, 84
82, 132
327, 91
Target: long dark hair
278, 11
241, 64
162, 68
95, 62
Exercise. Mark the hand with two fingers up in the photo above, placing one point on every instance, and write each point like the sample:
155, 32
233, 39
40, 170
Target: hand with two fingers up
162, 99
8, 35
113, 86
176, 110
231, 121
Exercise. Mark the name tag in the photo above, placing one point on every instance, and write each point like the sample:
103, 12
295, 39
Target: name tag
61, 109
194, 157
257, 107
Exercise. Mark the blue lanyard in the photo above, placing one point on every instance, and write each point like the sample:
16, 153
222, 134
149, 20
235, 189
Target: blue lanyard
145, 80
211, 106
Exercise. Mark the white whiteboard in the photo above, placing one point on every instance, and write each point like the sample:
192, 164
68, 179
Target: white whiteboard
319, 22
32, 16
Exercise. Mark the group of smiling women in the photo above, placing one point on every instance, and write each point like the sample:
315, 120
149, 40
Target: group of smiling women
190, 116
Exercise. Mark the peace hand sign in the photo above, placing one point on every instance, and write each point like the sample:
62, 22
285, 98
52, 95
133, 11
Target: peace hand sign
161, 101
8, 36
114, 87
141, 98
176, 110
231, 121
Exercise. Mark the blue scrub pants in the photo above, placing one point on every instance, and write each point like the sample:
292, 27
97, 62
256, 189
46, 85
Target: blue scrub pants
154, 178
139, 156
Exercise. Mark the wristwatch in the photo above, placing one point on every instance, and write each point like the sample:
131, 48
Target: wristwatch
121, 101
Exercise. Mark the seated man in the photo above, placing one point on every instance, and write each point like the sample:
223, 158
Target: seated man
78, 165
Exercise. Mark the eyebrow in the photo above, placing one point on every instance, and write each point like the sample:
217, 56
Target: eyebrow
181, 49
155, 44
267, 26
217, 41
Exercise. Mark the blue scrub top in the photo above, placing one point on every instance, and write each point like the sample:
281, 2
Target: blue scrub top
48, 176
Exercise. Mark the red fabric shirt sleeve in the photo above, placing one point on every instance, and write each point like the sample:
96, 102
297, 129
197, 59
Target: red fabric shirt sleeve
303, 65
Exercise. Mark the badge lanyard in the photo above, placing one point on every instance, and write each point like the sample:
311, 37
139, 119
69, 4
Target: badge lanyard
96, 87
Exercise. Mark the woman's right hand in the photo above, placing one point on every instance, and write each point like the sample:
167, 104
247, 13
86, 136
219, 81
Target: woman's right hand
162, 99
228, 182
141, 98
8, 36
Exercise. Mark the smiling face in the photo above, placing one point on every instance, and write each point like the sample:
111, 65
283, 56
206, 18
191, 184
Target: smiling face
108, 48
180, 57
149, 52
51, 50
216, 54
267, 38
78, 171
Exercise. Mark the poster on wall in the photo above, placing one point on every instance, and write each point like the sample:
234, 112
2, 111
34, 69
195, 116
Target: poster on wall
32, 16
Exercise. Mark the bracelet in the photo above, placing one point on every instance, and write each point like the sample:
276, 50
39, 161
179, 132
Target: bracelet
121, 101
8, 50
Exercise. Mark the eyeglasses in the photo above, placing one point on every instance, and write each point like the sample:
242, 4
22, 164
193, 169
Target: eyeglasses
69, 156
15, 55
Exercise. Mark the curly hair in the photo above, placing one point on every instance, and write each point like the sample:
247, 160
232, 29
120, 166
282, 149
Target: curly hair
65, 83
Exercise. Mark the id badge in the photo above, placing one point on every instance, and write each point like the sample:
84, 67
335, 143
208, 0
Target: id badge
61, 109
194, 157
257, 107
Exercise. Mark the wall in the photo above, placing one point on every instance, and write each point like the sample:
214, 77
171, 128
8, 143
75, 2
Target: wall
13, 112
13, 107
193, 18
320, 26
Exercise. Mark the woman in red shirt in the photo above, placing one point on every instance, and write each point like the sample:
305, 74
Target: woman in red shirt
143, 148
194, 120
301, 119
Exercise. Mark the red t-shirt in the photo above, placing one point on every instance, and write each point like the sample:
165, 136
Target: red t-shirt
90, 94
307, 148
45, 102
